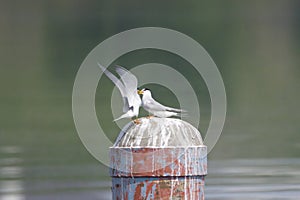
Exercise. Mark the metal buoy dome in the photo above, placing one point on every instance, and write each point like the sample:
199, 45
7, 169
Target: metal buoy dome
160, 132
160, 158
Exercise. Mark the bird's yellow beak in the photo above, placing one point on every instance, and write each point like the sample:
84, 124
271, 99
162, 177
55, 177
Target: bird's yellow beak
140, 91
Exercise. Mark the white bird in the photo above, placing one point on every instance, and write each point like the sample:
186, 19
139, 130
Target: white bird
128, 89
155, 108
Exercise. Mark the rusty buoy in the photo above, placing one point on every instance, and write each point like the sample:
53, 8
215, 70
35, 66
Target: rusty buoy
161, 158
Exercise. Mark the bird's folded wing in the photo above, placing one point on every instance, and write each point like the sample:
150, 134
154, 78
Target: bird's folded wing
175, 110
155, 106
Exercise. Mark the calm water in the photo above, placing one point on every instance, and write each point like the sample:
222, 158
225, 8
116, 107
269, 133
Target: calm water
227, 179
254, 179
255, 45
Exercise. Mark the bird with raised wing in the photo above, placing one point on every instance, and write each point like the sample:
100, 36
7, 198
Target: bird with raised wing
127, 85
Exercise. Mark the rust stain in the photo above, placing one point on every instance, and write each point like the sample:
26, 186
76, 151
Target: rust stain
163, 184
152, 173
137, 193
149, 190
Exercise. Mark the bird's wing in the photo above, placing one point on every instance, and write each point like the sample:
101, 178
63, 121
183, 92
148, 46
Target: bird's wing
154, 105
126, 104
166, 114
125, 115
129, 80
130, 83
175, 110
119, 85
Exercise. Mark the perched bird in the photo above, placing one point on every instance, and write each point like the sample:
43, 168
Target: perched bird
155, 108
127, 86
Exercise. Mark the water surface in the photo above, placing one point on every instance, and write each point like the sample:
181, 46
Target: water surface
227, 179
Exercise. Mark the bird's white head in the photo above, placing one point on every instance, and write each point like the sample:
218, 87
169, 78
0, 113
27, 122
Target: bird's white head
145, 92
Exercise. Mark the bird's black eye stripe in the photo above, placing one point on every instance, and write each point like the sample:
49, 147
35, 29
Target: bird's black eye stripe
131, 108
146, 89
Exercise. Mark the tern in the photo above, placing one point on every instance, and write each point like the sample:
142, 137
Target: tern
155, 108
127, 86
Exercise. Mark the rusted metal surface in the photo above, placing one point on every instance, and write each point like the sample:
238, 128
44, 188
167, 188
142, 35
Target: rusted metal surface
166, 161
159, 159
158, 188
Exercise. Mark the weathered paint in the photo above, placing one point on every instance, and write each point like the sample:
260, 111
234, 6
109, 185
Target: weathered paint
168, 168
166, 161
142, 188
159, 132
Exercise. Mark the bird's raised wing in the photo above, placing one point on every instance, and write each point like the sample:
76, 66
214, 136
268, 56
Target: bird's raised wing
119, 85
130, 81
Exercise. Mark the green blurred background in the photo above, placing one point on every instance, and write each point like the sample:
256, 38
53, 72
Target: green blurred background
255, 44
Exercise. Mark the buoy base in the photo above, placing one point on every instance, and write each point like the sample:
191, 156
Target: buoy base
129, 188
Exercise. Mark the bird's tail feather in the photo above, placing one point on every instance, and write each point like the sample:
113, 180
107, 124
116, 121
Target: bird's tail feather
126, 115
185, 115
176, 110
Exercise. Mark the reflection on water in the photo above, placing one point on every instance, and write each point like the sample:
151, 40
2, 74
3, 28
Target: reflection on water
11, 174
19, 181
254, 179
11, 190
227, 179
10, 149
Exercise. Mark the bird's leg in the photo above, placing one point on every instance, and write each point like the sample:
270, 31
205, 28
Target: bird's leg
149, 116
136, 121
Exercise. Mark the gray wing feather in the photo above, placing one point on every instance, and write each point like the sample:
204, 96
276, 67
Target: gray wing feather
129, 80
154, 105
130, 83
119, 85
175, 110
